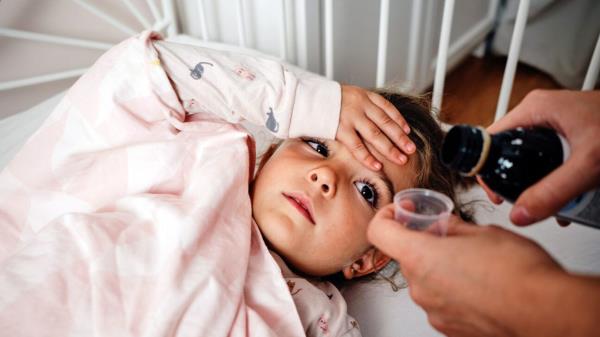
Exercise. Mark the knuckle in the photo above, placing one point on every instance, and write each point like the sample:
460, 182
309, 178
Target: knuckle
416, 294
375, 132
537, 95
387, 120
437, 322
359, 148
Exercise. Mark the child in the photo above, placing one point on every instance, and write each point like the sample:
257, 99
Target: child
128, 211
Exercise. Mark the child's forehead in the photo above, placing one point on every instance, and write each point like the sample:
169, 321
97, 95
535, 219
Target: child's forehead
401, 176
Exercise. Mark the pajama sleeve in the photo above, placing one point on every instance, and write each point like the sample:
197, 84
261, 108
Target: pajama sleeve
239, 87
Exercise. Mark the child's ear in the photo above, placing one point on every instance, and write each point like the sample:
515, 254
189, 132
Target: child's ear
371, 261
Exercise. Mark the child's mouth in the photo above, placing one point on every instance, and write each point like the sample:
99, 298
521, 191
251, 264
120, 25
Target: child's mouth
300, 205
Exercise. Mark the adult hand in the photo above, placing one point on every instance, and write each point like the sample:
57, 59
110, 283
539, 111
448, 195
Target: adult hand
367, 116
483, 280
576, 116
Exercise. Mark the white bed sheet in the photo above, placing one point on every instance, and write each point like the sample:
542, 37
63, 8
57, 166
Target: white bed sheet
379, 310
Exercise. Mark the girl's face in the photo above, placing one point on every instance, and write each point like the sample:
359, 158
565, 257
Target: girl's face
340, 195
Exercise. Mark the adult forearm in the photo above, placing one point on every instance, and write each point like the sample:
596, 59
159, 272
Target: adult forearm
557, 304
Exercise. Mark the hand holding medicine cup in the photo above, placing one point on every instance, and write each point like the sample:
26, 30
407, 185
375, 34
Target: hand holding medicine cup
576, 116
487, 281
368, 117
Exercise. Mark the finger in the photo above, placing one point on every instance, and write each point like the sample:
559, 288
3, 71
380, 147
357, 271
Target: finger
529, 112
390, 110
517, 117
389, 119
374, 135
456, 226
496, 199
358, 149
553, 192
391, 128
393, 238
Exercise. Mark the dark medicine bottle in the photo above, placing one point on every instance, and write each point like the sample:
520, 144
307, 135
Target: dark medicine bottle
511, 161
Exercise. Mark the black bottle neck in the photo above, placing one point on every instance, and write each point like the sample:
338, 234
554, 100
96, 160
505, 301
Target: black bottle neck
465, 149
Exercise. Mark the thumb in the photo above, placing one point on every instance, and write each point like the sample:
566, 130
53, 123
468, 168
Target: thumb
531, 111
553, 192
393, 238
519, 116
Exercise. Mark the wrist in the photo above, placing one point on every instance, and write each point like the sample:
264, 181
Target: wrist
580, 305
556, 303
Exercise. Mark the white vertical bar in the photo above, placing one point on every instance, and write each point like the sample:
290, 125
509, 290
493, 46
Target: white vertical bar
159, 26
109, 19
413, 44
133, 9
442, 57
203, 23
329, 39
154, 10
169, 12
291, 43
591, 77
283, 38
513, 58
426, 70
302, 33
241, 25
384, 18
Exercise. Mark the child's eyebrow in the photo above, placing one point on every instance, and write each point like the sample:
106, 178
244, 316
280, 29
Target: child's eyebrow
387, 182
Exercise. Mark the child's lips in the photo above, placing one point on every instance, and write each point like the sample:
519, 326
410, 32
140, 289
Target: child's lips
302, 204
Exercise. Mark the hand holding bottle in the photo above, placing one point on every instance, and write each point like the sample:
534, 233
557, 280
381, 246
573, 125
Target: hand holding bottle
576, 116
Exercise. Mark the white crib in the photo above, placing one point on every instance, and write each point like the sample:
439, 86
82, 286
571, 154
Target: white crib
379, 311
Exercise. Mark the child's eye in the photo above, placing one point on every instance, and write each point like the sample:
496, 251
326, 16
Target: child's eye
318, 146
368, 191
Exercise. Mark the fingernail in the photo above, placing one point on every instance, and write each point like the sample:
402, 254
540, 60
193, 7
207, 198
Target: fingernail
520, 216
401, 158
410, 147
406, 129
377, 165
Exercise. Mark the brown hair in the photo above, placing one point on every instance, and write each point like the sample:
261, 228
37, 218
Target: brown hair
428, 136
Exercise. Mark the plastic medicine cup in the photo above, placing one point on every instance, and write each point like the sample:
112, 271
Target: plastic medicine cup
419, 208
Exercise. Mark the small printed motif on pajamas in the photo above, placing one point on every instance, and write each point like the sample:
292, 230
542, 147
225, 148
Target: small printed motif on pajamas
271, 123
324, 326
198, 70
243, 72
291, 285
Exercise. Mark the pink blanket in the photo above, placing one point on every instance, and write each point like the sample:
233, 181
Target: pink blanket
123, 215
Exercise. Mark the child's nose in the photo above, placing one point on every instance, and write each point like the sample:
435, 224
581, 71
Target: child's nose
324, 179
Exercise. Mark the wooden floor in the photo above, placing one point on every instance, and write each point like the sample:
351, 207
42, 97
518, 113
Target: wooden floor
471, 90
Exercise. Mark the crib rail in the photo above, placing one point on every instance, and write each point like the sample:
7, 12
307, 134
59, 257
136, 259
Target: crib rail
164, 20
